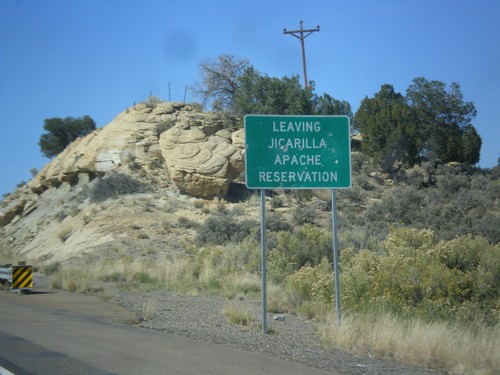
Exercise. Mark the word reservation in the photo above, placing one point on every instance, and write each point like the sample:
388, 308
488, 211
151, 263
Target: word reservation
303, 176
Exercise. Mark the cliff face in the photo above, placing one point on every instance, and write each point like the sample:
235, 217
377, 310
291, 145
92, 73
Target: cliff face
172, 148
170, 142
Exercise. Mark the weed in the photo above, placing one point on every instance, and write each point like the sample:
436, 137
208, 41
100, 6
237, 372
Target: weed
52, 268
87, 219
304, 215
149, 309
187, 223
61, 215
56, 280
65, 234
276, 222
271, 330
144, 278
222, 228
116, 276
164, 126
237, 314
199, 204
113, 185
170, 205
152, 101
7, 254
458, 348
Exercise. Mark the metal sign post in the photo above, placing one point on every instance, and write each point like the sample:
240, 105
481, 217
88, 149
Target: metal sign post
263, 258
335, 255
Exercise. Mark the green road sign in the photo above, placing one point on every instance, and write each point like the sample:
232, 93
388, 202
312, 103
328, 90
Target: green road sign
297, 152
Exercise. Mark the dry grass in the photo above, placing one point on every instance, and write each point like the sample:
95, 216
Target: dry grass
240, 286
456, 349
149, 309
7, 255
276, 299
65, 234
237, 314
447, 346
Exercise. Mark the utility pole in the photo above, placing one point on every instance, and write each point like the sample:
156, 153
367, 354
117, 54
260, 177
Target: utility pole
301, 34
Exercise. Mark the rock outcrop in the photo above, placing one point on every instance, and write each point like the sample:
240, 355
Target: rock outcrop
200, 154
172, 143
169, 147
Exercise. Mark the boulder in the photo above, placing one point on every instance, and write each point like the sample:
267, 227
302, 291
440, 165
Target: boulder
200, 155
11, 210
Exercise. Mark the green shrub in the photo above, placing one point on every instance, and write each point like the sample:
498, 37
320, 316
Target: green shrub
278, 201
199, 204
238, 315
420, 277
113, 185
222, 228
185, 222
355, 194
276, 222
216, 229
152, 101
314, 284
64, 234
114, 277
52, 268
238, 211
144, 278
61, 215
304, 215
135, 166
289, 252
450, 200
164, 126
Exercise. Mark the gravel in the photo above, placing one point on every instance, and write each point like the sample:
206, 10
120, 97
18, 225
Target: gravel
292, 338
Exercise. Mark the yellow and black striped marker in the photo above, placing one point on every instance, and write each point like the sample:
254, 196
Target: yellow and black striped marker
22, 277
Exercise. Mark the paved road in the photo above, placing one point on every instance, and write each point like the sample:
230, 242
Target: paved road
50, 339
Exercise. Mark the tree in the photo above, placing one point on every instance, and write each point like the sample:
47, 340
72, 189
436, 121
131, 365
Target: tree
232, 84
326, 105
431, 121
61, 132
220, 80
471, 145
261, 94
445, 119
387, 125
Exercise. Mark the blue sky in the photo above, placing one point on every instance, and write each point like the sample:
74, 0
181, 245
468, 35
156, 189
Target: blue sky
62, 58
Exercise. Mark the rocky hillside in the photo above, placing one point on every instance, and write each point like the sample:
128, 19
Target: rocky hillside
146, 182
159, 149
169, 143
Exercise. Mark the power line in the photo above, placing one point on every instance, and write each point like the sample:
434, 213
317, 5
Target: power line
301, 34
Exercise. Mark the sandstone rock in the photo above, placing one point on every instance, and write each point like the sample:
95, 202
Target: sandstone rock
12, 210
200, 155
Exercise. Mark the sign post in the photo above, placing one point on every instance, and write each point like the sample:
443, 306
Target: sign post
297, 152
263, 258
